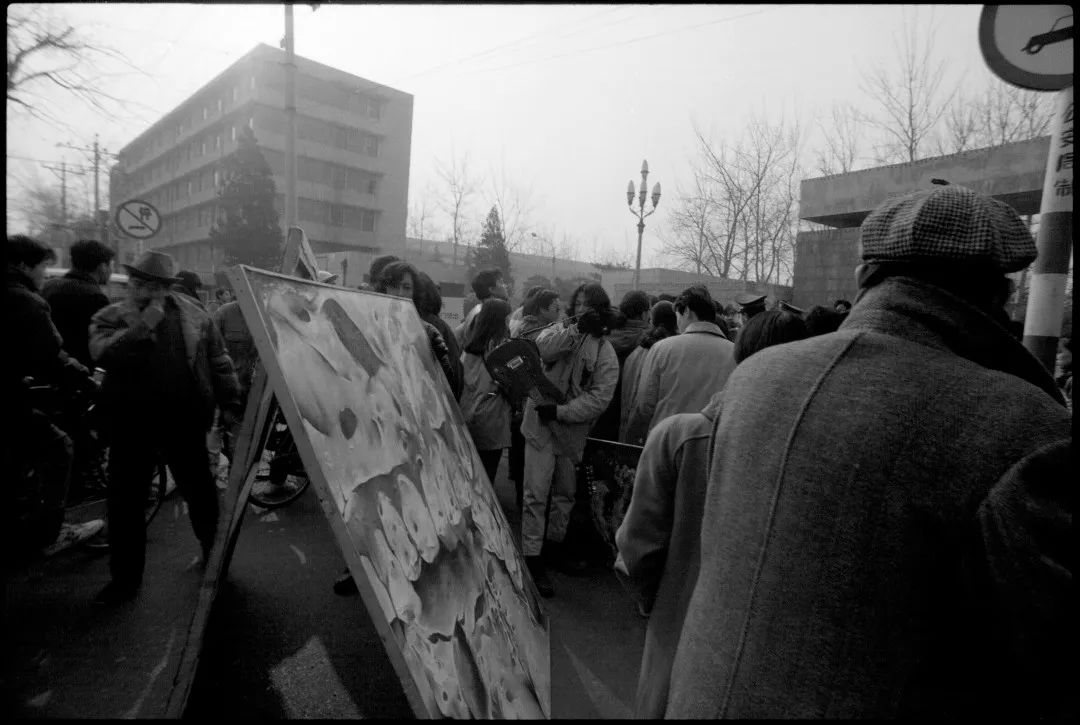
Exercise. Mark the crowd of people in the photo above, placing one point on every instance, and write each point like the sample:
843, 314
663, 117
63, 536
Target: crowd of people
856, 510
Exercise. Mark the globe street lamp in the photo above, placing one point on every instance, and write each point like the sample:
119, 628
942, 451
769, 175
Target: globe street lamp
641, 213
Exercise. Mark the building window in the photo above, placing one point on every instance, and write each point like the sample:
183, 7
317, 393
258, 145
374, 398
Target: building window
374, 109
251, 122
252, 84
371, 185
217, 178
188, 188
235, 93
217, 142
202, 148
219, 105
367, 222
205, 112
337, 215
371, 145
233, 133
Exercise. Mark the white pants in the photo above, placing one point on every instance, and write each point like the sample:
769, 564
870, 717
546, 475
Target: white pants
541, 467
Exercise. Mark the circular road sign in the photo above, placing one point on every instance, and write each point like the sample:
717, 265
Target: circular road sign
138, 219
1030, 46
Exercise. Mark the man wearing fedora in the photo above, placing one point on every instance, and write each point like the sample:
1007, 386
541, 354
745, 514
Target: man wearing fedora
886, 532
166, 369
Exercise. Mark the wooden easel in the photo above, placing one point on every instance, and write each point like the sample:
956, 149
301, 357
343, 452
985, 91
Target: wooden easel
297, 260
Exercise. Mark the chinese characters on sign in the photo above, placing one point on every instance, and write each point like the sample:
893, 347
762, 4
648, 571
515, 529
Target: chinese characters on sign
1063, 185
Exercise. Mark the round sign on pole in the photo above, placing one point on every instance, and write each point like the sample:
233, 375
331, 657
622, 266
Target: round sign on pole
1030, 46
138, 219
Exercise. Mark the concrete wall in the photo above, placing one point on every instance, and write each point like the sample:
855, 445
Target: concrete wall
1012, 172
825, 264
673, 281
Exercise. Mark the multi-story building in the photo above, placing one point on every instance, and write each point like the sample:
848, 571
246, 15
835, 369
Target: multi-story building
352, 147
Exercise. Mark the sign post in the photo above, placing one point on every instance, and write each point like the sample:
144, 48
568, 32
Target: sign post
1031, 46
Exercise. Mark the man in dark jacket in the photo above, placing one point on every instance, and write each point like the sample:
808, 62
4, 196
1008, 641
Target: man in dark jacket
74, 298
163, 358
34, 517
629, 327
886, 531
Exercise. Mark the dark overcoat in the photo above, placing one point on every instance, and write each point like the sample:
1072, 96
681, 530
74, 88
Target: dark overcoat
73, 299
886, 527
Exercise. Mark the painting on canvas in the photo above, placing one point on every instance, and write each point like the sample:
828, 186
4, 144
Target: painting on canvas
384, 443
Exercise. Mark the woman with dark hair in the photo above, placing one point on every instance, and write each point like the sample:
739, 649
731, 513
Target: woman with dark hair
485, 410
429, 304
400, 279
822, 320
664, 324
765, 329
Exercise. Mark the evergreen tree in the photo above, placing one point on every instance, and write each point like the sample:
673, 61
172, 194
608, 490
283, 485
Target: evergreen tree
491, 251
247, 223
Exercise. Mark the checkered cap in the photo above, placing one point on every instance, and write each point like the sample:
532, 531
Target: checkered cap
947, 223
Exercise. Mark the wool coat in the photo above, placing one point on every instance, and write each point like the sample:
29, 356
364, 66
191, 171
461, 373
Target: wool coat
680, 375
658, 541
585, 368
121, 343
886, 527
73, 299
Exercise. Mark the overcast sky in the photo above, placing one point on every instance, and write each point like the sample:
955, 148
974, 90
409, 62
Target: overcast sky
568, 99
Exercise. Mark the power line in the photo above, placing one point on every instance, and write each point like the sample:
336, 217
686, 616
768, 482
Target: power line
625, 42
518, 42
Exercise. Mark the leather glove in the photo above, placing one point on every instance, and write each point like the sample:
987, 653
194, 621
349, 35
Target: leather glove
592, 323
546, 411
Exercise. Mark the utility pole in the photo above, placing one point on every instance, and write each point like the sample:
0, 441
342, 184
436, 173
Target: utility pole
98, 152
291, 215
63, 189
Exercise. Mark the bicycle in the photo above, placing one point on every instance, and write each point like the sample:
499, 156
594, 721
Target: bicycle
91, 469
280, 478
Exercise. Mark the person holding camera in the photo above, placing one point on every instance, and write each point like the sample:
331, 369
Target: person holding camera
681, 373
581, 362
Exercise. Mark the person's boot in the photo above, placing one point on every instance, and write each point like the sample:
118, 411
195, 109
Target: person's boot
535, 565
557, 555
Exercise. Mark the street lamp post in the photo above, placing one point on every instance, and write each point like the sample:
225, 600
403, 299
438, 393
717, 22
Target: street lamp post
641, 213
537, 236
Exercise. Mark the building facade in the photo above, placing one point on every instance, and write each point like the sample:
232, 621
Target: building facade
353, 141
825, 259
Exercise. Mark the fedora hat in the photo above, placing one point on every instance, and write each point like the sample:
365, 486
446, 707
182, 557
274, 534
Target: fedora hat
154, 267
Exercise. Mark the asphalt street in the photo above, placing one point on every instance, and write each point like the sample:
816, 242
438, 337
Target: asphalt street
281, 644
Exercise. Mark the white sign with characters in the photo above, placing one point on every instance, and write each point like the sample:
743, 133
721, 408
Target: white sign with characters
138, 219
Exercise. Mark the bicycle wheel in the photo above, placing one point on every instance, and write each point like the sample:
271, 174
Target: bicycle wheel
269, 495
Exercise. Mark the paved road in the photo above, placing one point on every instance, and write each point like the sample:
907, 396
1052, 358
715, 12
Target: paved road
282, 644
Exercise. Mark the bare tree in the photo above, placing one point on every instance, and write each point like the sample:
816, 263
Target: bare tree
739, 220
45, 52
459, 190
842, 140
1002, 114
911, 101
514, 205
420, 220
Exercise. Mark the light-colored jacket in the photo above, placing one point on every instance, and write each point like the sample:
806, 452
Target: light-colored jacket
659, 539
485, 410
586, 369
680, 375
887, 527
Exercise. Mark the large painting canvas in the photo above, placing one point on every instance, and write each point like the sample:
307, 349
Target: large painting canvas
406, 495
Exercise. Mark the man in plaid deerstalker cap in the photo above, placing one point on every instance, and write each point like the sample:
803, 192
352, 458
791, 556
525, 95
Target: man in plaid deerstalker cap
887, 521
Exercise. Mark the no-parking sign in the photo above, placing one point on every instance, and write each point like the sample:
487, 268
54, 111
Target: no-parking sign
138, 219
1030, 46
